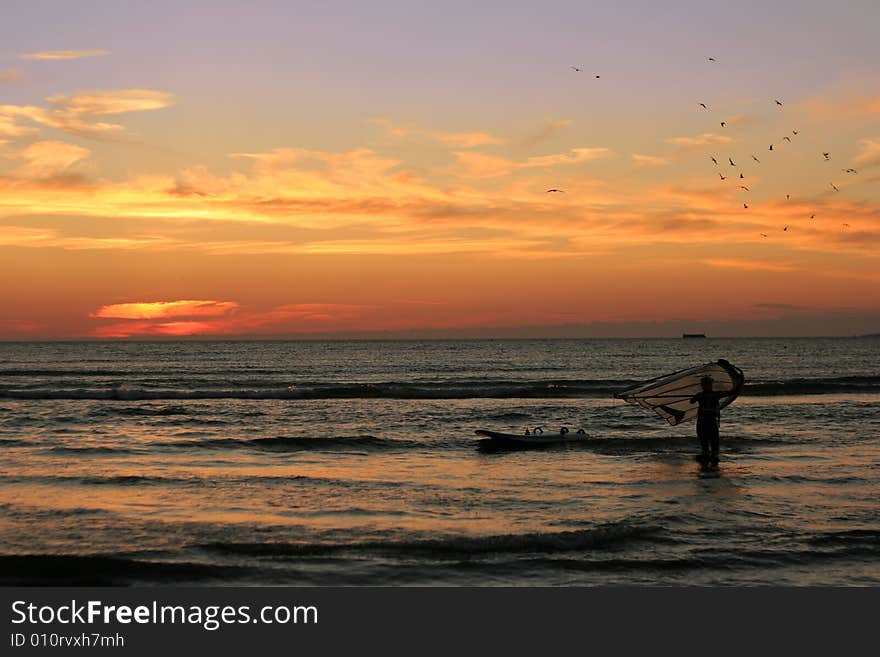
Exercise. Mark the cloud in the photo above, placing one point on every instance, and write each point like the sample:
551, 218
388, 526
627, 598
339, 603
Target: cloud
178, 329
59, 55
362, 161
481, 165
120, 101
467, 139
75, 114
44, 159
11, 75
10, 128
750, 265
166, 309
705, 139
870, 153
452, 139
577, 156
221, 318
320, 312
649, 160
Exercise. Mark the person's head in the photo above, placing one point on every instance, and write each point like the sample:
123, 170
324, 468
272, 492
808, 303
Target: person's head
706, 382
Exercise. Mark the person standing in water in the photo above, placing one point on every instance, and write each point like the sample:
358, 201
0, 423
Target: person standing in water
708, 419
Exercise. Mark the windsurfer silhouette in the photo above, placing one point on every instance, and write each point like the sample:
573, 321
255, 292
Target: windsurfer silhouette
708, 420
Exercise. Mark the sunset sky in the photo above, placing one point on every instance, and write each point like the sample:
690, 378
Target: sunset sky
348, 168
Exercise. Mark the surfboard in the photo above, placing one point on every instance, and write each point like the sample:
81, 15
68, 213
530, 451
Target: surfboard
533, 439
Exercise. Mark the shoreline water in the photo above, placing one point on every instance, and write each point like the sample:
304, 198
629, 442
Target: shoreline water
385, 490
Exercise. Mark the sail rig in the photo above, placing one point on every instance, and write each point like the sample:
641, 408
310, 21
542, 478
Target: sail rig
670, 395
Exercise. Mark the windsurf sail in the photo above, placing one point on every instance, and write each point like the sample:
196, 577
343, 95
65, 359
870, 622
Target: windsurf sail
670, 396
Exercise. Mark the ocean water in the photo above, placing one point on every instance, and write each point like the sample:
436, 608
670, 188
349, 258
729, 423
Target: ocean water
356, 463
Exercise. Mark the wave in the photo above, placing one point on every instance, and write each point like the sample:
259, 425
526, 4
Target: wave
18, 442
611, 535
297, 443
453, 389
100, 449
112, 480
99, 570
831, 385
140, 411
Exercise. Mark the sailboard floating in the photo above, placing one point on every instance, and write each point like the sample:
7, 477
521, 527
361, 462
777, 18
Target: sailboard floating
671, 396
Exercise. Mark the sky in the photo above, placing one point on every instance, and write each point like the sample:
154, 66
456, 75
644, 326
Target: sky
320, 169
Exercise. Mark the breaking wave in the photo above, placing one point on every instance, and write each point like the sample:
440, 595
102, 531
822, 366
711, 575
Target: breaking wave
547, 389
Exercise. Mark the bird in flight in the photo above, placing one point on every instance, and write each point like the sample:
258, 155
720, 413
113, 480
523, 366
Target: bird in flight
562, 191
746, 206
723, 124
794, 132
849, 171
827, 156
732, 163
577, 69
812, 216
711, 59
846, 225
741, 176
785, 229
703, 105
787, 197
723, 177
744, 187
763, 234
778, 103
756, 159
787, 138
771, 147
713, 159
834, 187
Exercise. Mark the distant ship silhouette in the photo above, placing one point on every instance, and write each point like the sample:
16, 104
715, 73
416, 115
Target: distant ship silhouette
693, 335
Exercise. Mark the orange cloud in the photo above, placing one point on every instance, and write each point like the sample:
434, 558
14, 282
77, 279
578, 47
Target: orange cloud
179, 329
301, 317
577, 156
9, 127
120, 101
705, 139
452, 139
649, 160
47, 158
166, 309
481, 165
75, 114
467, 139
59, 55
750, 265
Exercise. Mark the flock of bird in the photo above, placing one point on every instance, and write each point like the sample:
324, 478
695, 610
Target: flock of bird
825, 155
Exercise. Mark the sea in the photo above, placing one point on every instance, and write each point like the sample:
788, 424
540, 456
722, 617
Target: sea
355, 463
